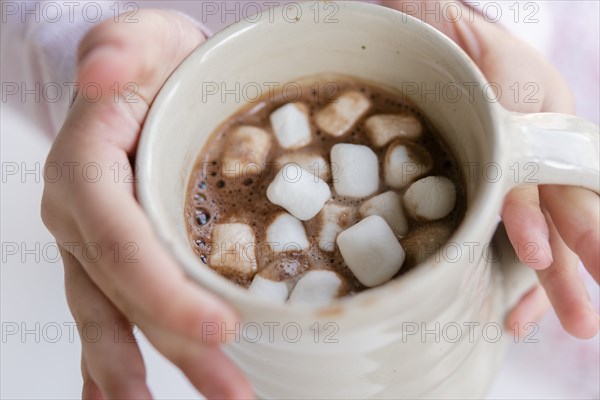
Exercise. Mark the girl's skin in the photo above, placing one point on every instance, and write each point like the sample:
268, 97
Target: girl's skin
155, 294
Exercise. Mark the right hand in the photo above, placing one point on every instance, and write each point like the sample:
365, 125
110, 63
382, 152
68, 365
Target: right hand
562, 221
151, 290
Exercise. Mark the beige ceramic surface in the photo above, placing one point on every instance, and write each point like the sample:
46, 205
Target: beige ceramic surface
375, 356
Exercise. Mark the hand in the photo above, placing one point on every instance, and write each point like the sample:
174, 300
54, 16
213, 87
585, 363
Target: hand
563, 221
133, 279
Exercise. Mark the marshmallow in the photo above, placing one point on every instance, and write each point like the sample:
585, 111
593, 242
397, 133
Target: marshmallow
233, 252
387, 205
333, 219
291, 125
356, 170
268, 289
383, 128
316, 288
341, 114
310, 161
405, 162
285, 266
430, 198
245, 152
424, 241
371, 251
286, 233
297, 190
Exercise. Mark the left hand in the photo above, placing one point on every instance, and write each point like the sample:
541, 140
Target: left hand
128, 277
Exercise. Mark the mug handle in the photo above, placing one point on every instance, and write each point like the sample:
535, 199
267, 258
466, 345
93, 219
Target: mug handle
553, 149
545, 148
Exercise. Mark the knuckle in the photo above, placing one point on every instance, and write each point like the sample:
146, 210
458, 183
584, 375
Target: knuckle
46, 212
90, 390
181, 352
177, 312
52, 215
117, 384
171, 310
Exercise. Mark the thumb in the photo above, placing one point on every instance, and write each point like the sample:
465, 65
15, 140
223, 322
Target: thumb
530, 85
122, 66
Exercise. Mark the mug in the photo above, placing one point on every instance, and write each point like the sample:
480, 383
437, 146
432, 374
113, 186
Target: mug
434, 332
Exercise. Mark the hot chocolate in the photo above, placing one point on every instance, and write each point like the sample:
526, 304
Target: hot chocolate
347, 177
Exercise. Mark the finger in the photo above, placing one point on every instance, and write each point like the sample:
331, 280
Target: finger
531, 308
121, 67
137, 273
492, 48
566, 290
90, 390
576, 214
134, 60
214, 375
112, 361
417, 10
205, 365
526, 227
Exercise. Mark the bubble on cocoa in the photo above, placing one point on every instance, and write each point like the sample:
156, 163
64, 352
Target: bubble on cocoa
202, 216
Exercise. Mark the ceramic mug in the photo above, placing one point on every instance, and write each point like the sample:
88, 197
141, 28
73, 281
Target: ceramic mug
435, 331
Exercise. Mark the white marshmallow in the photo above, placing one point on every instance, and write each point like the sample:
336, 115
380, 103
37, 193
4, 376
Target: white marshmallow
233, 250
383, 128
404, 163
296, 190
284, 266
245, 152
338, 117
356, 170
310, 161
291, 125
430, 198
371, 251
268, 289
387, 205
316, 288
333, 219
286, 233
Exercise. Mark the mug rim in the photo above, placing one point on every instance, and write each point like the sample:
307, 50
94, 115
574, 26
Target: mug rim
487, 200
